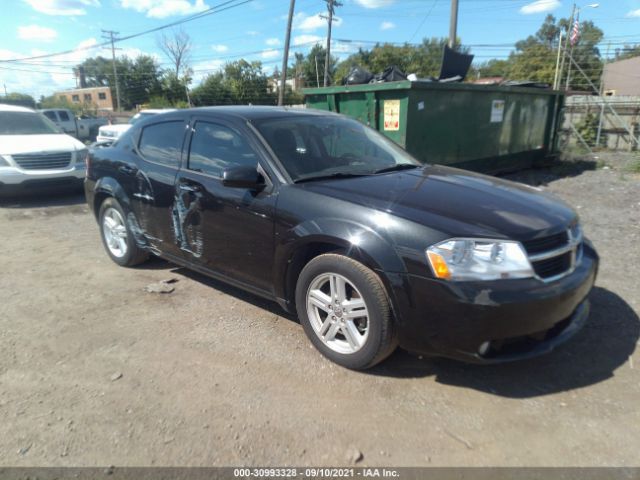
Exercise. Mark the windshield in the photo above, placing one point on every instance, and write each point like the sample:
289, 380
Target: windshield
26, 123
320, 146
139, 116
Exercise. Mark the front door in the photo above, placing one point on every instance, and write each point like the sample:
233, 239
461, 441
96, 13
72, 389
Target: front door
227, 230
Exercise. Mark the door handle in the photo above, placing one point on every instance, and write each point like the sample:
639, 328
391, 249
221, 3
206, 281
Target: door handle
189, 188
127, 170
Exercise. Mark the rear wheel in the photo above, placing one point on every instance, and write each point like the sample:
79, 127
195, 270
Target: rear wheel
345, 311
116, 235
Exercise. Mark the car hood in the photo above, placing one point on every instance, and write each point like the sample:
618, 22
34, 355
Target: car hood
455, 201
16, 144
119, 128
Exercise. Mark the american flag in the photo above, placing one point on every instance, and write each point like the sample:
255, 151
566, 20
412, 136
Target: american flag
575, 32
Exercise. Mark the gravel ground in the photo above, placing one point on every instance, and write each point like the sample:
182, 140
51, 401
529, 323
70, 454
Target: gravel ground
96, 371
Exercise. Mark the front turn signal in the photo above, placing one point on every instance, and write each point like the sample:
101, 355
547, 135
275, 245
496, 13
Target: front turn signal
439, 265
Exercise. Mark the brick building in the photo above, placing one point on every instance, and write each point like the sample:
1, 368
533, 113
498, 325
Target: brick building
98, 96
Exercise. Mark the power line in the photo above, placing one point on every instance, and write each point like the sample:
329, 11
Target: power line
208, 11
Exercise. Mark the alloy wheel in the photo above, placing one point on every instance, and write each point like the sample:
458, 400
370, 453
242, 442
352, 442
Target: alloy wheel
338, 313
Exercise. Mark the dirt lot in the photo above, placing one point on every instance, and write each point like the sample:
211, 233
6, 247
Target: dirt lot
96, 371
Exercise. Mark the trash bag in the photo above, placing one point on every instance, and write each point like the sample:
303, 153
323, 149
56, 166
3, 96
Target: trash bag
454, 64
357, 76
390, 74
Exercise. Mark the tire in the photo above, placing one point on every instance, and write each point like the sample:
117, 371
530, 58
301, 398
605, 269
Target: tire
117, 238
331, 329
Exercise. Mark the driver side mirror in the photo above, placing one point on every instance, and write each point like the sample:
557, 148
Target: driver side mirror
243, 177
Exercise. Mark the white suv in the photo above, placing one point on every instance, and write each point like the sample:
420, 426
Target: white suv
35, 154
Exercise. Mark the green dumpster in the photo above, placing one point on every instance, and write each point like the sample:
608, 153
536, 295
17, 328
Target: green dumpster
478, 127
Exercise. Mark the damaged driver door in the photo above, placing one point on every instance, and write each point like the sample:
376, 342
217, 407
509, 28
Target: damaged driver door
227, 230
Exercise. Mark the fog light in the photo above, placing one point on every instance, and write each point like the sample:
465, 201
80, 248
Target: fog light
484, 348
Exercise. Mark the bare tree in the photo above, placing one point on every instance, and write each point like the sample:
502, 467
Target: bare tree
177, 48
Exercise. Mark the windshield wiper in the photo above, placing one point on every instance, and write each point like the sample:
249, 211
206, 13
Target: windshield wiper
331, 176
397, 168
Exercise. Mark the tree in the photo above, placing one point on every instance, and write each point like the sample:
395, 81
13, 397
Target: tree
627, 51
311, 67
140, 79
248, 83
177, 48
17, 98
535, 57
239, 82
425, 59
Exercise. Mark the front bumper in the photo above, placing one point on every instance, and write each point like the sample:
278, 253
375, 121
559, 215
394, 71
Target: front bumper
518, 318
15, 181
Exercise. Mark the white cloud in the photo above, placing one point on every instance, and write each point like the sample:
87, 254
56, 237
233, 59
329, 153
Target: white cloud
62, 7
634, 13
540, 6
49, 76
252, 33
306, 40
35, 32
203, 69
273, 42
164, 8
219, 48
302, 21
387, 25
375, 3
268, 54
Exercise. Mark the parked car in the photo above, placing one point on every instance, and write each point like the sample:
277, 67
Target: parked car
110, 133
35, 153
338, 224
83, 128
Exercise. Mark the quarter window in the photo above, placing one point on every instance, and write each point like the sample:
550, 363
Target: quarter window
215, 147
162, 143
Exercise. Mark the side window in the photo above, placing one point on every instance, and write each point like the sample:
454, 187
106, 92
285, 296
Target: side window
64, 116
51, 116
215, 147
162, 142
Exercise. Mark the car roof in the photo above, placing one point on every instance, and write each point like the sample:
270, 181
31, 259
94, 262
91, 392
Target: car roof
14, 108
256, 112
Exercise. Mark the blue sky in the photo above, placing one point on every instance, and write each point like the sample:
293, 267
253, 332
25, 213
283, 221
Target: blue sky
255, 30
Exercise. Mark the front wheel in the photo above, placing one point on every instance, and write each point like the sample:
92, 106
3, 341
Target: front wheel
345, 311
117, 237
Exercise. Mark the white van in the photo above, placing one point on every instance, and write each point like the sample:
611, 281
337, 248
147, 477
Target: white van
35, 153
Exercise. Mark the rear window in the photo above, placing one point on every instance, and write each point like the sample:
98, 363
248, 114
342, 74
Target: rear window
25, 123
162, 142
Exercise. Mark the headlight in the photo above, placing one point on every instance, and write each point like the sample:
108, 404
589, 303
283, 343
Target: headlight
81, 155
3, 162
464, 259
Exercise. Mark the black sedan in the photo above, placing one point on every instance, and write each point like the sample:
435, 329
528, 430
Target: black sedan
333, 221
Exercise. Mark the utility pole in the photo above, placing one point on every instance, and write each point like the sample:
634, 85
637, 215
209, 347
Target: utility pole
285, 58
331, 4
110, 35
453, 24
556, 80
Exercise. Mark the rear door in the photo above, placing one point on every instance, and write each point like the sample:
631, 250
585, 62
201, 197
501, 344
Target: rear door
159, 152
227, 230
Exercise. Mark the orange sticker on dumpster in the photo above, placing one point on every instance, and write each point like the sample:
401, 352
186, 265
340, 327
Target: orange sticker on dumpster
392, 114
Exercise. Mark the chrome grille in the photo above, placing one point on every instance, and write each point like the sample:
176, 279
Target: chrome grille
555, 256
43, 161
